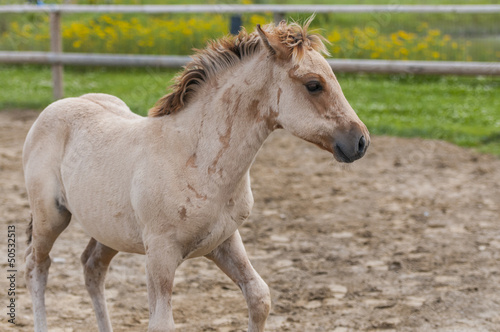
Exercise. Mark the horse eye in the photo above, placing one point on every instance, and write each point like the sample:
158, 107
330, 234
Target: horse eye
314, 86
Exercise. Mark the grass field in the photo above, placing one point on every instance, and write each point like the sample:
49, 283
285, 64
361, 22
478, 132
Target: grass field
462, 110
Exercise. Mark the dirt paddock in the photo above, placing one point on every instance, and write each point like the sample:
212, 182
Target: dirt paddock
406, 239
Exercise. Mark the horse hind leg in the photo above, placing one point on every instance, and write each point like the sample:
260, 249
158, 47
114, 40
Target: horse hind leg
49, 219
95, 260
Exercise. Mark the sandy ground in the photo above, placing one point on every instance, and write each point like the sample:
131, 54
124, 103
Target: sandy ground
406, 239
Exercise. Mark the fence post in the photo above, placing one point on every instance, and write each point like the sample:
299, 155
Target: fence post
56, 48
235, 25
278, 17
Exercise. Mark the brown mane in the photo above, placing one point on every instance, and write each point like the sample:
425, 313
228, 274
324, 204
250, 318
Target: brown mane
226, 52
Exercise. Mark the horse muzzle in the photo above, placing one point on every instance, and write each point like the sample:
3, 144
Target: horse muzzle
351, 146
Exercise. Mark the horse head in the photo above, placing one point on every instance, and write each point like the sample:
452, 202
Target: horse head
309, 100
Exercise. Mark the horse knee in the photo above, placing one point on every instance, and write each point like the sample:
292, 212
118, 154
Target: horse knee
92, 274
38, 262
37, 271
259, 299
264, 301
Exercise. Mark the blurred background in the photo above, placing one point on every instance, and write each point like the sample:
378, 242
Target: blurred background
460, 109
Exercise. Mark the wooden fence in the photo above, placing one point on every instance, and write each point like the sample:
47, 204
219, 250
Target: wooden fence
57, 58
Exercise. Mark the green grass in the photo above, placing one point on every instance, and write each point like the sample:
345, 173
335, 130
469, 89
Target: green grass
31, 86
462, 110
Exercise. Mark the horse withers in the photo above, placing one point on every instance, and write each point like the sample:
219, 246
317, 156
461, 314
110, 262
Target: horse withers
176, 185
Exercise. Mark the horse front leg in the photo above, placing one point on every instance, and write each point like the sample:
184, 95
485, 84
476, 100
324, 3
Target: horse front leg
232, 259
161, 262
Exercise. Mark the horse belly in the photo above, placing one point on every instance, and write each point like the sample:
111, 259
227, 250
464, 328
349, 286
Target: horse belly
114, 230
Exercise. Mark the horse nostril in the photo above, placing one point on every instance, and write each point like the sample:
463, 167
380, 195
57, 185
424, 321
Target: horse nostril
362, 144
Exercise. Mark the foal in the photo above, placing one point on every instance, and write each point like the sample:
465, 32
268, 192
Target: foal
176, 185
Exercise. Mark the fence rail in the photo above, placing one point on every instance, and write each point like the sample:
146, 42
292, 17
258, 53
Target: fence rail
173, 61
240, 9
57, 58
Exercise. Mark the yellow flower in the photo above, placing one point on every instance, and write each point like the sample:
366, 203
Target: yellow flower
173, 34
395, 39
257, 19
335, 36
405, 35
371, 31
434, 32
421, 46
107, 19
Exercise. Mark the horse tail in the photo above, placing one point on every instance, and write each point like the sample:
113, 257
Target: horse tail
29, 231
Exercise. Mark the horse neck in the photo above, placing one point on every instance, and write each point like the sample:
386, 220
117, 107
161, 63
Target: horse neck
228, 121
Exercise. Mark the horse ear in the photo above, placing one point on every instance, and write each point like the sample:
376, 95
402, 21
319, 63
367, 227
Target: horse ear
273, 45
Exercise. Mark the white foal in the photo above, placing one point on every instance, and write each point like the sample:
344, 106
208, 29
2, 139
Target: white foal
176, 185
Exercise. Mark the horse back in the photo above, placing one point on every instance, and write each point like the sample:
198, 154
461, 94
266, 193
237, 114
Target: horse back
61, 122
110, 104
